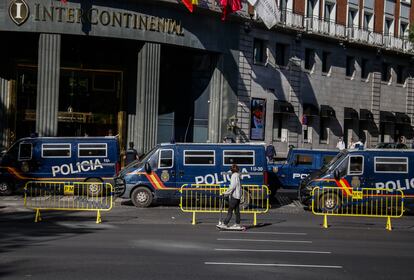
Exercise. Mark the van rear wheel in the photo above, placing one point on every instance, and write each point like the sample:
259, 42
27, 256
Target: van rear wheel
142, 197
6, 188
329, 201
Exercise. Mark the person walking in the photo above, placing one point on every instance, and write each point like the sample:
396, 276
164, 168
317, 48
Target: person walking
234, 193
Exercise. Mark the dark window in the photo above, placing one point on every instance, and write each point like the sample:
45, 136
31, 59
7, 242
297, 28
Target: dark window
356, 165
350, 66
309, 58
56, 150
399, 71
385, 72
92, 150
325, 62
364, 68
281, 54
25, 151
323, 135
279, 124
259, 51
199, 157
166, 159
303, 160
239, 157
391, 165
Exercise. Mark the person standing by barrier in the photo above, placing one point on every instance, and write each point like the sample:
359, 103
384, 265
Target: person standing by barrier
234, 193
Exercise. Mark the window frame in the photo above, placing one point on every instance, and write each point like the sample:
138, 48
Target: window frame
79, 149
55, 144
159, 159
349, 165
190, 164
392, 172
239, 164
19, 158
263, 51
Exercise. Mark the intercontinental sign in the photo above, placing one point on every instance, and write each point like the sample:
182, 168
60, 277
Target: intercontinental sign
20, 12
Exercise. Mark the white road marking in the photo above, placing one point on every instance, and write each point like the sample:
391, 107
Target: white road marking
265, 232
272, 251
276, 264
263, 240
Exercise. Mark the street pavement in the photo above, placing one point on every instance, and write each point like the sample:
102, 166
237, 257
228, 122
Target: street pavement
160, 243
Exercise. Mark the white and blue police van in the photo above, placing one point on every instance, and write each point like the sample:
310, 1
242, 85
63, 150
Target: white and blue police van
287, 176
159, 174
63, 159
364, 168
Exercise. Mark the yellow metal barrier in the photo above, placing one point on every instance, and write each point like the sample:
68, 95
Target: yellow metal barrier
68, 196
205, 198
364, 202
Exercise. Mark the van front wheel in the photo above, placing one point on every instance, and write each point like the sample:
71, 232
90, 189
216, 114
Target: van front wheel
141, 197
5, 188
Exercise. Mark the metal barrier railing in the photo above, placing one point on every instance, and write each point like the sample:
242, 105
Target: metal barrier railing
68, 196
205, 198
361, 202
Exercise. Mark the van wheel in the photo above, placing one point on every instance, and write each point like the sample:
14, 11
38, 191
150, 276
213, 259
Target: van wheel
329, 202
142, 197
94, 187
6, 188
245, 200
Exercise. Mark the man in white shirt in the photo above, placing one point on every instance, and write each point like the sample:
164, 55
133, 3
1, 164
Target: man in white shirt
341, 144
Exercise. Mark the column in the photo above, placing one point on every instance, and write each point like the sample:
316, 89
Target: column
4, 108
48, 84
142, 127
376, 101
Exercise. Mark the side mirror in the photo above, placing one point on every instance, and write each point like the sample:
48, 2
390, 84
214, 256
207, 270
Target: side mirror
147, 167
337, 175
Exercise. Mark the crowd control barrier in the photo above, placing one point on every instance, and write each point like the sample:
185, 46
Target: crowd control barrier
205, 198
363, 202
68, 196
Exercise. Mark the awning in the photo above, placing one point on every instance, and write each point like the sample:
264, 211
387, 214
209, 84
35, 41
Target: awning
283, 107
310, 109
387, 117
350, 114
402, 118
327, 112
365, 115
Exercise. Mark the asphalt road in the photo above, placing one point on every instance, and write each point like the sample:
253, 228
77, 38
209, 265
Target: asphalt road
160, 243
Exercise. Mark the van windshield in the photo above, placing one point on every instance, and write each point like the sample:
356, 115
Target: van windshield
143, 158
333, 163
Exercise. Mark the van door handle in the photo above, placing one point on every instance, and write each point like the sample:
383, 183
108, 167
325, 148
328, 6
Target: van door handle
181, 173
172, 173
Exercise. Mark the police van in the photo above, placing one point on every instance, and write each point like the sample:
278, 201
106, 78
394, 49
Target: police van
369, 168
286, 177
159, 175
89, 159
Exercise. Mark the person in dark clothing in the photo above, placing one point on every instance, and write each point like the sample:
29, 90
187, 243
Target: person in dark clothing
270, 152
131, 154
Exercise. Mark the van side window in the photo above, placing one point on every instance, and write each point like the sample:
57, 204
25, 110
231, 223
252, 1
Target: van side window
356, 165
199, 158
25, 151
391, 164
238, 157
56, 151
92, 150
303, 160
166, 159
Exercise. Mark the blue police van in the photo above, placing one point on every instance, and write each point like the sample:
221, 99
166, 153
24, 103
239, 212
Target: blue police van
286, 177
89, 159
364, 168
161, 172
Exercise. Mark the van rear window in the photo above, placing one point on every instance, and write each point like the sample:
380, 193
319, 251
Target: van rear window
391, 164
92, 150
56, 150
238, 157
304, 160
199, 158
